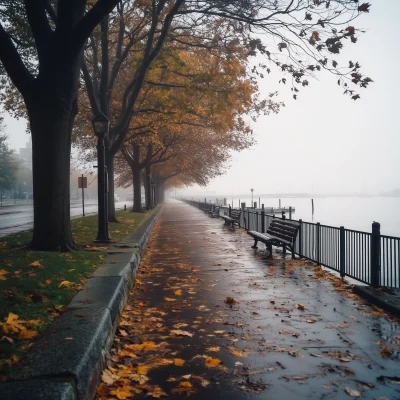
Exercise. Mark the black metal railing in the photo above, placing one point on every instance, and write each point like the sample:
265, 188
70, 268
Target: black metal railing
368, 257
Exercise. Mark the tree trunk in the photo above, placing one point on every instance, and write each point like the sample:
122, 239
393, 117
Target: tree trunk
51, 128
111, 190
147, 182
137, 180
137, 189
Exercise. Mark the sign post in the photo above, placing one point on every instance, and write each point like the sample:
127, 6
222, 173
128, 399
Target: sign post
82, 184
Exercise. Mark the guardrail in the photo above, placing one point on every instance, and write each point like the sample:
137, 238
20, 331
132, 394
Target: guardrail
368, 257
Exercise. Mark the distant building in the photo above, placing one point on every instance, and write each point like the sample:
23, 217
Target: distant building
25, 155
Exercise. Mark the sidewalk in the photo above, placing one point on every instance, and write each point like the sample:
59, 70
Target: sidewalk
211, 318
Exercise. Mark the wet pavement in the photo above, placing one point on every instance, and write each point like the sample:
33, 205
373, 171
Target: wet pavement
211, 318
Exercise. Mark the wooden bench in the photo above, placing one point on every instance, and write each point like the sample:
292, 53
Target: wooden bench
280, 233
233, 219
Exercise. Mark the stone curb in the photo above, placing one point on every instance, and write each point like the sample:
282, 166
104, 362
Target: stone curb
386, 301
67, 361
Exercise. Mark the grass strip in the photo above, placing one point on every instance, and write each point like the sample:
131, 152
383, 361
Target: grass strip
35, 286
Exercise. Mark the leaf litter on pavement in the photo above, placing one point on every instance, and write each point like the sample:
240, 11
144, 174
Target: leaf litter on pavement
165, 318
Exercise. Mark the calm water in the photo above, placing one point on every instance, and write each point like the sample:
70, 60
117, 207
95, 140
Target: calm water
351, 212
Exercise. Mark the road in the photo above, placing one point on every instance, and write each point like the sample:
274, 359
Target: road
19, 218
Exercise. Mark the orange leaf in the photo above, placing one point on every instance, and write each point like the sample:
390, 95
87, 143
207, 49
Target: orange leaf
123, 393
27, 334
179, 362
212, 362
35, 264
178, 292
2, 273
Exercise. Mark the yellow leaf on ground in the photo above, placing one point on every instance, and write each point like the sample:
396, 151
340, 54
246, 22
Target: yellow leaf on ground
212, 362
142, 346
178, 292
35, 264
2, 273
123, 393
65, 284
185, 384
12, 324
27, 334
179, 362
311, 320
169, 299
143, 369
141, 304
213, 349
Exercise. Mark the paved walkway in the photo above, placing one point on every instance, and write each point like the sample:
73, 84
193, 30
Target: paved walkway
211, 318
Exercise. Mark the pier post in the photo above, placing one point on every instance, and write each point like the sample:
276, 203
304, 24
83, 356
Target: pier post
229, 211
300, 237
262, 219
375, 254
290, 212
342, 259
317, 239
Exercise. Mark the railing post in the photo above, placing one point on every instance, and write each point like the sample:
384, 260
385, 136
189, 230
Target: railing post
229, 211
342, 245
262, 219
290, 212
375, 254
248, 219
317, 240
283, 215
300, 236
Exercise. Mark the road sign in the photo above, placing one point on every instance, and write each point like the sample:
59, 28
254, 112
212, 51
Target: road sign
82, 182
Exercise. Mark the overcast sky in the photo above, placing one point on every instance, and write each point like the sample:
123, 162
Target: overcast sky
323, 141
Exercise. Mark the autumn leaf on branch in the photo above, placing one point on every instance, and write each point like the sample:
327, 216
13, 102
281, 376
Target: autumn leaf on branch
364, 7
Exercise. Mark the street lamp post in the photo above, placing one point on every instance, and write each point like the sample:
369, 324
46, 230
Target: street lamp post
252, 204
101, 126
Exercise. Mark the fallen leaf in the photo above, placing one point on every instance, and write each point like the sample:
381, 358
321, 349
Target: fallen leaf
35, 264
12, 324
311, 320
141, 304
155, 392
345, 359
179, 332
385, 352
2, 273
213, 349
185, 384
169, 299
230, 300
142, 346
123, 393
212, 362
26, 334
300, 307
178, 292
108, 377
352, 392
237, 352
65, 284
179, 362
